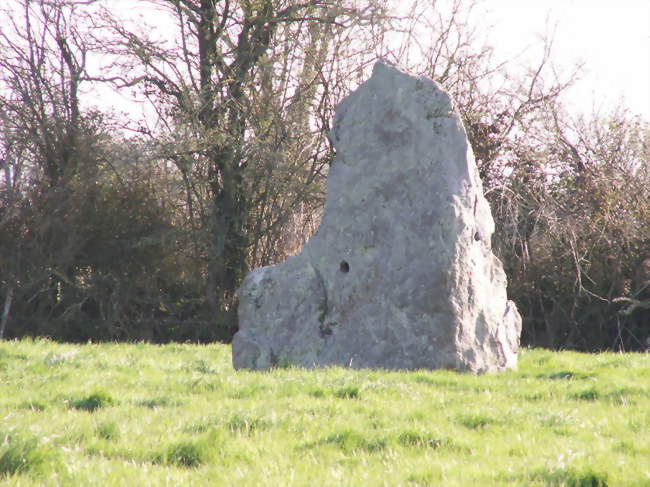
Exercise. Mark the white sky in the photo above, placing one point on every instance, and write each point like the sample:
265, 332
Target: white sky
611, 38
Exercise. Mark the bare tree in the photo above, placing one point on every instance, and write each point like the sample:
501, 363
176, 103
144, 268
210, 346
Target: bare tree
44, 147
9, 198
242, 92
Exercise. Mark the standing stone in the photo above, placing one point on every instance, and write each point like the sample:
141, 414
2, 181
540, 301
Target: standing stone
400, 274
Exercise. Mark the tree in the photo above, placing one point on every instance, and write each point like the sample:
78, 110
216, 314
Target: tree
569, 196
84, 242
44, 139
243, 94
144, 231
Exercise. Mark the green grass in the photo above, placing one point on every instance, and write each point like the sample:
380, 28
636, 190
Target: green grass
94, 401
19, 455
116, 414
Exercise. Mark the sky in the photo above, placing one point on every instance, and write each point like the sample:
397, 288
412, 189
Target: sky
611, 38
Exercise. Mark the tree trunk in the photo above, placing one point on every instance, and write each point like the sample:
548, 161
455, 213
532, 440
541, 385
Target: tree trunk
5, 311
229, 242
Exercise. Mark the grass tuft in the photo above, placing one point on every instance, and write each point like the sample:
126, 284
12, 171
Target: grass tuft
350, 441
53, 359
35, 406
183, 454
347, 393
246, 425
423, 479
475, 421
201, 366
317, 392
158, 402
420, 440
108, 431
94, 401
20, 456
569, 477
565, 375
590, 394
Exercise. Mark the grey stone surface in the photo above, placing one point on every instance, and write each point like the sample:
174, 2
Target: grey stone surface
400, 274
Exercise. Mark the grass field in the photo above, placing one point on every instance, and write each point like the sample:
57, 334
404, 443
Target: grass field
179, 415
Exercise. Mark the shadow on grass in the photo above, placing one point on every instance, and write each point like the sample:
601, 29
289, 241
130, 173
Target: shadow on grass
349, 441
94, 401
569, 477
476, 421
240, 424
158, 402
566, 375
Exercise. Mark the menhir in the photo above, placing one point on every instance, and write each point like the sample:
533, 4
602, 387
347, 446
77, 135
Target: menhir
400, 274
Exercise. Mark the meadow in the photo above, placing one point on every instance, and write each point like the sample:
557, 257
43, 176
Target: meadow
179, 415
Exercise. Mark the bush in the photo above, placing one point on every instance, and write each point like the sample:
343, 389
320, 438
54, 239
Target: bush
573, 230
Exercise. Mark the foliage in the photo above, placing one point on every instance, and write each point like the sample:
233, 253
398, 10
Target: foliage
113, 228
243, 93
570, 195
562, 419
86, 244
574, 231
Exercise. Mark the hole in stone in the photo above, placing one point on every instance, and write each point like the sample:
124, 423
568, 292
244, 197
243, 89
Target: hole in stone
345, 267
477, 236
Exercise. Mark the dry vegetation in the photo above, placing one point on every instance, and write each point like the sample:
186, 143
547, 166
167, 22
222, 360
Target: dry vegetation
113, 228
